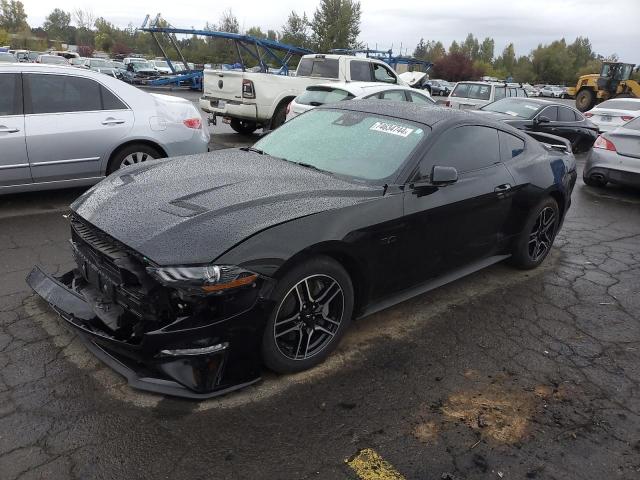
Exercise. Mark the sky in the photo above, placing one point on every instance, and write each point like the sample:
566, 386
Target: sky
612, 26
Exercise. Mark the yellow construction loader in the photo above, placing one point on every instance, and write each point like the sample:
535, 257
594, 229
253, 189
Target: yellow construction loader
613, 82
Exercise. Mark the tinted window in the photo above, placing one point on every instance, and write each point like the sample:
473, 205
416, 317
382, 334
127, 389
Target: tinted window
360, 71
499, 93
383, 74
566, 115
110, 101
465, 148
417, 98
62, 93
510, 146
11, 97
318, 67
472, 90
514, 107
396, 95
320, 95
551, 113
520, 92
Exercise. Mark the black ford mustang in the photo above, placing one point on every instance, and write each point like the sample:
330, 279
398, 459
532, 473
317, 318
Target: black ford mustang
194, 272
545, 116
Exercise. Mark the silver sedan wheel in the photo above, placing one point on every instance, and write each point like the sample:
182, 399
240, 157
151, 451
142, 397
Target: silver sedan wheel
136, 157
308, 317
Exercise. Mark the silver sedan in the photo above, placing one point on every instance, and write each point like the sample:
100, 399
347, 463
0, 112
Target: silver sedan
63, 127
615, 157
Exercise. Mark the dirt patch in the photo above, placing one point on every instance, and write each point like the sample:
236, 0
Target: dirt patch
426, 432
496, 413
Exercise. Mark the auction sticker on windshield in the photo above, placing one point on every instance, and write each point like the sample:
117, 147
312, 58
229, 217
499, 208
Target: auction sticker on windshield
391, 128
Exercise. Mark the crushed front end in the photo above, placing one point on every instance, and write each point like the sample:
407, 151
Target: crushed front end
157, 326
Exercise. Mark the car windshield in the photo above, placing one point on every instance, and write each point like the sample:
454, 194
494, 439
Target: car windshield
515, 108
620, 105
357, 145
472, 90
99, 63
320, 95
137, 66
161, 64
7, 57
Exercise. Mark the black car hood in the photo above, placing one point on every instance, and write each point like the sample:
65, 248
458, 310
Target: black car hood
190, 210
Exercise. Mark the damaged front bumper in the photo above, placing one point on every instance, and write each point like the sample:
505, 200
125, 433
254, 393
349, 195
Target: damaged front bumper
196, 362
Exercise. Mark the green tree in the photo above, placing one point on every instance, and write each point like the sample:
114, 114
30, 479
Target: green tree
57, 25
507, 60
229, 22
5, 39
454, 48
296, 31
256, 32
470, 47
12, 16
336, 24
486, 50
553, 63
581, 51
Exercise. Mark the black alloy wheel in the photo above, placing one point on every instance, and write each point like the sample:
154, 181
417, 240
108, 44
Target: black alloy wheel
314, 304
537, 236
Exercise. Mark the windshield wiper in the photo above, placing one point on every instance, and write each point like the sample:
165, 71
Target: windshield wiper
312, 167
254, 150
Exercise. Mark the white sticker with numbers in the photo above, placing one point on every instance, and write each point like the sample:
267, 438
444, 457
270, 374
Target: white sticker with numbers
392, 129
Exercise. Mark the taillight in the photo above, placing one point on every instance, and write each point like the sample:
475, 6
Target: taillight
247, 89
588, 115
195, 123
605, 144
626, 118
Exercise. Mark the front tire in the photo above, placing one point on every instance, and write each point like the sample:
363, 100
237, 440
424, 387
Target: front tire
535, 241
313, 308
585, 100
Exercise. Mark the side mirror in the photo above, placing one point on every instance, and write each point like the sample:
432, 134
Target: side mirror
542, 119
441, 176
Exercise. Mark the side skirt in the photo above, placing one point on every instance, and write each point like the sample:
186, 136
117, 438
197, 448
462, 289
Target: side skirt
430, 285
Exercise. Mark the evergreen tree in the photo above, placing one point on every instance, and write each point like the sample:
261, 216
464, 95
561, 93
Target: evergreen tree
336, 24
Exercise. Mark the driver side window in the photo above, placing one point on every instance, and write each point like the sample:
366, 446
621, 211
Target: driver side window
466, 148
383, 74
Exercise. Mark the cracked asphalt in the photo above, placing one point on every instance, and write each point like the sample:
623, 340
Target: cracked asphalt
503, 374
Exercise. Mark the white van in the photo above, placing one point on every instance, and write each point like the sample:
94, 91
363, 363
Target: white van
473, 95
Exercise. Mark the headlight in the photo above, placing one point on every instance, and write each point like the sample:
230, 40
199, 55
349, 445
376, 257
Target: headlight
204, 278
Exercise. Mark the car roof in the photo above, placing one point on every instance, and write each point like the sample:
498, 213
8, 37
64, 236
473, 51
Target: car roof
362, 88
49, 68
430, 115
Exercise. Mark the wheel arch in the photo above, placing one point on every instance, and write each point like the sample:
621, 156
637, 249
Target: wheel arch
128, 143
341, 253
560, 199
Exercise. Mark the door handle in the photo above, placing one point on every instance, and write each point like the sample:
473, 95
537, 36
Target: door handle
4, 129
112, 121
505, 187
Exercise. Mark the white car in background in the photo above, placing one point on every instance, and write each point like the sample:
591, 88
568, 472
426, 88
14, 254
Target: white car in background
552, 91
613, 113
316, 95
473, 95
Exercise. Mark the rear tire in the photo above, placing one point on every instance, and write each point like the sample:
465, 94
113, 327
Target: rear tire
131, 155
279, 116
585, 100
245, 127
313, 307
537, 236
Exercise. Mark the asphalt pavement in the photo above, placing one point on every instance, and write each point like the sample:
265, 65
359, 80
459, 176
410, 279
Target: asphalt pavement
503, 374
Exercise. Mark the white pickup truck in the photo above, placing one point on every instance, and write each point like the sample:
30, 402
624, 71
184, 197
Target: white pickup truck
252, 100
